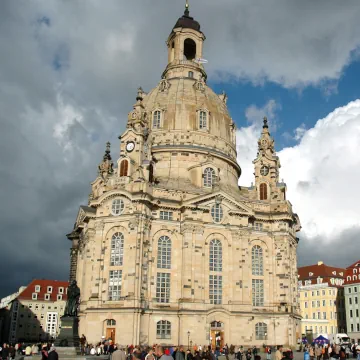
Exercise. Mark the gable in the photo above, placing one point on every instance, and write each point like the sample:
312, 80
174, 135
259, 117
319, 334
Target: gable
207, 200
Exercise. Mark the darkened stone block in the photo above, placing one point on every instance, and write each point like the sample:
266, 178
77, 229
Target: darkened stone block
69, 333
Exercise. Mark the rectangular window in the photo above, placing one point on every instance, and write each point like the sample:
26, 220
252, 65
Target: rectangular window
47, 296
306, 305
202, 120
166, 215
315, 329
51, 323
355, 289
331, 315
163, 287
258, 292
34, 296
312, 293
324, 302
351, 313
258, 226
350, 301
314, 315
349, 290
37, 288
332, 329
305, 293
324, 315
356, 300
59, 297
357, 312
318, 303
323, 292
317, 292
49, 289
351, 327
61, 290
325, 329
115, 280
163, 330
319, 315
357, 327
313, 304
215, 289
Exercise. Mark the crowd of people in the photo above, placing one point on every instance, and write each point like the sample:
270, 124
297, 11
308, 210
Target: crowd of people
47, 351
326, 351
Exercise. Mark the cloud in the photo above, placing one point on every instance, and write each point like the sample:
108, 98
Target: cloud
68, 78
321, 173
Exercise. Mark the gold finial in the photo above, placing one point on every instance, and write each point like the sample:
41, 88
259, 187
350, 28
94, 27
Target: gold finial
186, 13
187, 4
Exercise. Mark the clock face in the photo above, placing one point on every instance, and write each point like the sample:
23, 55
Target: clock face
264, 170
130, 146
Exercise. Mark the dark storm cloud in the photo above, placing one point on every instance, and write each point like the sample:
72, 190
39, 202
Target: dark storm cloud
69, 71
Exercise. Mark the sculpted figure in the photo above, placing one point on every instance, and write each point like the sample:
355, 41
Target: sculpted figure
73, 297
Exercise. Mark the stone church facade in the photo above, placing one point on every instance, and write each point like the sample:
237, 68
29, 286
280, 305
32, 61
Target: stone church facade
170, 249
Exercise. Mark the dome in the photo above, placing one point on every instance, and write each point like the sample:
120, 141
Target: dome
187, 22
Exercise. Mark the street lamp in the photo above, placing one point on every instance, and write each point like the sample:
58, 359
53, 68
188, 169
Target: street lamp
188, 333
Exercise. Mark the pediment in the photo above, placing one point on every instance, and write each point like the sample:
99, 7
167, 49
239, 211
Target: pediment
205, 201
84, 214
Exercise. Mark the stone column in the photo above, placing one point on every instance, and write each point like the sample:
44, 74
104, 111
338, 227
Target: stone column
73, 263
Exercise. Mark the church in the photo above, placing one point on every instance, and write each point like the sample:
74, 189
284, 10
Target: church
170, 249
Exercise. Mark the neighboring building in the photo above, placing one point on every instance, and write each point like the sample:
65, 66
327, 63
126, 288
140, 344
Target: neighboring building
36, 312
169, 243
322, 300
352, 301
5, 314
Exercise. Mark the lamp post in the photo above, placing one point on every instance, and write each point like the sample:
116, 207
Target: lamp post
188, 333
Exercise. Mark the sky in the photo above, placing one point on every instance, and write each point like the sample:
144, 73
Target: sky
69, 71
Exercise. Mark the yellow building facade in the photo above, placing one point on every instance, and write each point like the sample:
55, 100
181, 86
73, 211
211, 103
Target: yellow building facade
322, 300
169, 248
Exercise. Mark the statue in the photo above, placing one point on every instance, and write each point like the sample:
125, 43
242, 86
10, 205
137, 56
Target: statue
73, 296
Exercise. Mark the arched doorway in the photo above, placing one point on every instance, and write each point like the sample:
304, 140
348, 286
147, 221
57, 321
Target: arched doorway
217, 334
110, 329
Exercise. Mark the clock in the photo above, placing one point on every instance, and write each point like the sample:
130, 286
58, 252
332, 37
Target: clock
264, 170
130, 146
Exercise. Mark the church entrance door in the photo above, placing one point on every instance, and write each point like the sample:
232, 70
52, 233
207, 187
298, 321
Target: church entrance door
217, 334
110, 334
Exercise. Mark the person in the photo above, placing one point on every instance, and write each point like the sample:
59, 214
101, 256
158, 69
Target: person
44, 353
92, 350
53, 355
318, 352
268, 353
82, 344
180, 354
150, 355
34, 349
248, 355
159, 352
278, 354
5, 352
312, 353
28, 351
12, 352
358, 351
254, 351
119, 353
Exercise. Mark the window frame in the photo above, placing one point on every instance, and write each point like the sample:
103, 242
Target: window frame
217, 213
166, 215
163, 286
115, 285
261, 331
117, 208
203, 119
34, 296
158, 119
258, 292
257, 261
164, 252
163, 329
209, 177
124, 169
117, 249
215, 255
215, 289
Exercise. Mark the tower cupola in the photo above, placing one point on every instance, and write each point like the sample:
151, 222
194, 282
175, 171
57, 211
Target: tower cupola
185, 49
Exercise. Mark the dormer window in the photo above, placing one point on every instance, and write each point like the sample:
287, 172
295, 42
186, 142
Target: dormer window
47, 296
49, 289
34, 296
59, 297
61, 290
203, 120
156, 123
37, 288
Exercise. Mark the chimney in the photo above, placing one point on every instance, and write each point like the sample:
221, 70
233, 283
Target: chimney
320, 263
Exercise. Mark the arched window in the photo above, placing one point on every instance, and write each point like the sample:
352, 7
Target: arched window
124, 165
117, 249
190, 74
263, 191
209, 177
354, 271
163, 329
110, 322
189, 49
260, 331
215, 255
156, 119
202, 120
257, 260
348, 278
164, 253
